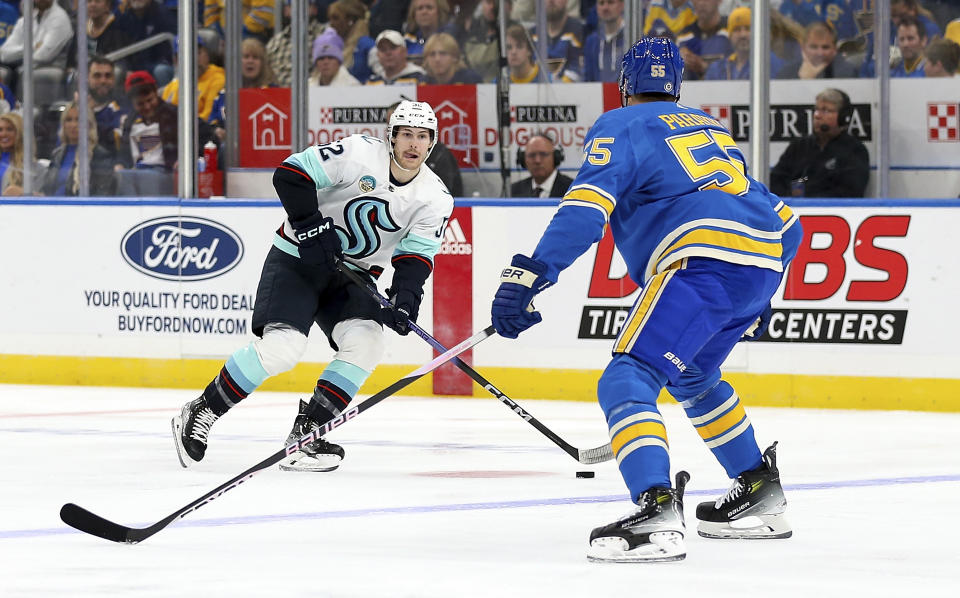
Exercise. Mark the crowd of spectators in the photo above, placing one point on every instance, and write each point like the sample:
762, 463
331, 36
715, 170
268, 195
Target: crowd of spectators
388, 42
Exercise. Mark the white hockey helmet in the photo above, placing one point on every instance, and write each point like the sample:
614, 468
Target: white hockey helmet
412, 114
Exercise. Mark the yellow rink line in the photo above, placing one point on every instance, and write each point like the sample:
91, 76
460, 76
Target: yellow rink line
770, 390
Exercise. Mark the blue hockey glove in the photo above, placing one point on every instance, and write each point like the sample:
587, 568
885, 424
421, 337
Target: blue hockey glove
406, 308
758, 328
318, 239
512, 309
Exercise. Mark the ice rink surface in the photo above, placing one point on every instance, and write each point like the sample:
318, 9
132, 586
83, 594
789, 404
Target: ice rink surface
455, 497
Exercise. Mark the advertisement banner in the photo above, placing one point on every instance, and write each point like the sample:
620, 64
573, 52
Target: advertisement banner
264, 126
453, 294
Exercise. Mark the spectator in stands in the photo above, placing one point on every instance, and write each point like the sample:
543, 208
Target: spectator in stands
785, 37
802, 12
387, 14
279, 48
101, 83
444, 63
62, 176
943, 58
906, 9
11, 155
142, 19
255, 73
482, 42
328, 66
424, 19
210, 80
8, 101
256, 15
911, 40
104, 34
52, 34
704, 41
441, 161
736, 66
526, 10
828, 163
564, 42
605, 47
820, 58
668, 15
397, 70
952, 31
520, 61
541, 157
348, 18
9, 13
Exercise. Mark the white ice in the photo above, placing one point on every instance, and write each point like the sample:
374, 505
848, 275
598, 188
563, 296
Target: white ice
455, 497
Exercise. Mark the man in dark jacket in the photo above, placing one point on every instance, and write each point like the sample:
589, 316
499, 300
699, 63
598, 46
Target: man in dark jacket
829, 163
541, 157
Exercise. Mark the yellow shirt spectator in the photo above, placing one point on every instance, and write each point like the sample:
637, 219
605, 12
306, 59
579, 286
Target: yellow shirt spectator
257, 16
209, 85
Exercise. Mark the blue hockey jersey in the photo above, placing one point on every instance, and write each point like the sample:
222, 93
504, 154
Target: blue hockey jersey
672, 184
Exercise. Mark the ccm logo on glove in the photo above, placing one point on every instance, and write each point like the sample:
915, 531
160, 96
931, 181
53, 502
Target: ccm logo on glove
313, 232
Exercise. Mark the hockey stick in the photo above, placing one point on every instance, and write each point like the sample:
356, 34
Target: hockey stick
585, 456
91, 523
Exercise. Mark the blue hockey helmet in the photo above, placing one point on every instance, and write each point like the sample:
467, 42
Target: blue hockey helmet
652, 65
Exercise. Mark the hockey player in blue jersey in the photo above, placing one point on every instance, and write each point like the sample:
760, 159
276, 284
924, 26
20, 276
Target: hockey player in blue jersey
709, 245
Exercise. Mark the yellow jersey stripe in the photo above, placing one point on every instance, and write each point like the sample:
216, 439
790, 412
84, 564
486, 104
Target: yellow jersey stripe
736, 431
640, 443
715, 413
722, 424
590, 196
655, 429
636, 417
641, 312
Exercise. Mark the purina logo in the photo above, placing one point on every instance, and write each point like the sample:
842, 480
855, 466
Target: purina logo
182, 248
454, 241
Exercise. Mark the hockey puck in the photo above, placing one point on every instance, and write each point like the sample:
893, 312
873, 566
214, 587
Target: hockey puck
584, 474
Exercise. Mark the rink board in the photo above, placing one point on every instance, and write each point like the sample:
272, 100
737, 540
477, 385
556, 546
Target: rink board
158, 293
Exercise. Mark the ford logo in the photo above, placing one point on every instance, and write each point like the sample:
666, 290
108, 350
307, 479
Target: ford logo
181, 248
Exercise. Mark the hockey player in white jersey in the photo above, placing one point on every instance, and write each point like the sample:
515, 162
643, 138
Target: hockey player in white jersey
363, 200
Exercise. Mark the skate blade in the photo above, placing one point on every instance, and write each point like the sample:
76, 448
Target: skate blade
176, 423
301, 462
664, 547
754, 527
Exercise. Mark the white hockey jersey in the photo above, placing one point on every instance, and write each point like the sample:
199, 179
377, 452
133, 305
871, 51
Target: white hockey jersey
375, 218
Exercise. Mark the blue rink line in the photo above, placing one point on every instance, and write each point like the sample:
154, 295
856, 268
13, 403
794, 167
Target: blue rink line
485, 506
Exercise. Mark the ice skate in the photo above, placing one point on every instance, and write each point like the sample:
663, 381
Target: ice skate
318, 455
190, 430
650, 533
751, 509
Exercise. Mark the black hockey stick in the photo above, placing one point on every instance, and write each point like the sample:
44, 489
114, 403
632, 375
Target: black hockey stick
91, 523
585, 456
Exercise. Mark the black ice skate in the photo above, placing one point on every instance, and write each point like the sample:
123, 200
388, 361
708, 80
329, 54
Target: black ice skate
652, 532
318, 455
190, 430
751, 509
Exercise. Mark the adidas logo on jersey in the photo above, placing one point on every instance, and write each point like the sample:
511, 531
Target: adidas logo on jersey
454, 241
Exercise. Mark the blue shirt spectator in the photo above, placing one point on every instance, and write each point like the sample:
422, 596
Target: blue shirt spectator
564, 42
605, 47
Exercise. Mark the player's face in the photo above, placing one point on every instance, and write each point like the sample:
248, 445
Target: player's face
8, 135
909, 42
410, 146
820, 48
539, 158
100, 80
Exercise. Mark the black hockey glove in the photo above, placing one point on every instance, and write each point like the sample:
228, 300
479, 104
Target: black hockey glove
405, 292
759, 327
513, 310
318, 239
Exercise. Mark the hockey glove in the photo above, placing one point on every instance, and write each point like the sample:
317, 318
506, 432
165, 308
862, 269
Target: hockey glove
318, 239
410, 272
406, 308
759, 327
512, 309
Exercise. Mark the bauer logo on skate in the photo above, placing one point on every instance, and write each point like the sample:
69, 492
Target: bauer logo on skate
182, 248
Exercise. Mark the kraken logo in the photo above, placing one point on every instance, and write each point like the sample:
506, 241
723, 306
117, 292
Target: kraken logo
362, 218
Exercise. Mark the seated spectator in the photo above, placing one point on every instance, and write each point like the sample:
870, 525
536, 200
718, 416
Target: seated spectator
736, 66
526, 10
444, 64
483, 40
820, 59
520, 61
911, 9
62, 176
943, 58
101, 84
802, 12
255, 73
279, 52
256, 15
349, 19
328, 66
392, 54
387, 14
8, 101
785, 37
424, 19
911, 41
541, 158
52, 34
142, 19
104, 34
605, 47
829, 163
668, 15
11, 156
210, 80
9, 13
704, 41
440, 161
564, 42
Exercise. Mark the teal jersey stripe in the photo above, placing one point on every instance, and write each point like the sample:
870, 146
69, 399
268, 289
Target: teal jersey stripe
419, 245
285, 246
309, 162
345, 375
245, 368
